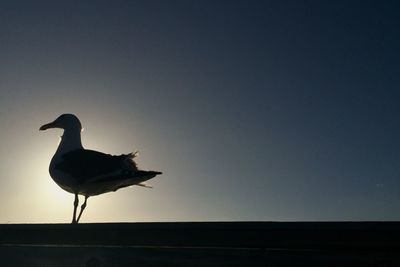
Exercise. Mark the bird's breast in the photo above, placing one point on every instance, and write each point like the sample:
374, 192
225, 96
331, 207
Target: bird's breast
61, 178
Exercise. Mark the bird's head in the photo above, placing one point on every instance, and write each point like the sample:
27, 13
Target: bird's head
64, 121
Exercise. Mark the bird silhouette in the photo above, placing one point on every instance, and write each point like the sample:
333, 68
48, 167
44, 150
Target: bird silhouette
87, 172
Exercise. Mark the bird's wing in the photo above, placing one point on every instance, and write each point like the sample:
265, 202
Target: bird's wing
84, 165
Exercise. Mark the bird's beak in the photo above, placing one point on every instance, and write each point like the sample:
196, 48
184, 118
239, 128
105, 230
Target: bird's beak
47, 126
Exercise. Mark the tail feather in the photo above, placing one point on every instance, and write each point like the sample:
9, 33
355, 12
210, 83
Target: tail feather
130, 163
144, 176
144, 185
139, 178
147, 174
134, 154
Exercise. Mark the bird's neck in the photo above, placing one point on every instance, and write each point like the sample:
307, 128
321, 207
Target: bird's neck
70, 140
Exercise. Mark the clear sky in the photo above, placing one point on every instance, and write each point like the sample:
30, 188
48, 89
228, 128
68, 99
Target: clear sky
253, 110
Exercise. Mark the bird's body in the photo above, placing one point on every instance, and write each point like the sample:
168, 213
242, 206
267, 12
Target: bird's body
87, 172
91, 173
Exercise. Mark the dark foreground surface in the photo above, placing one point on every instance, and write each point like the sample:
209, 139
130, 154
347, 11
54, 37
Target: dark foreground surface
202, 244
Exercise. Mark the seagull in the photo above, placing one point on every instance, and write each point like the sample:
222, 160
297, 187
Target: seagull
87, 172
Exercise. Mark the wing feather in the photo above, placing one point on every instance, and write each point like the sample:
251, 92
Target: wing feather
85, 165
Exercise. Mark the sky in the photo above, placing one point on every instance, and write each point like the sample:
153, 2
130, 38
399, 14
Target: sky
253, 110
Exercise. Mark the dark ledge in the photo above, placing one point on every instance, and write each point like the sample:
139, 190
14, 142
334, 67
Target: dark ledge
246, 243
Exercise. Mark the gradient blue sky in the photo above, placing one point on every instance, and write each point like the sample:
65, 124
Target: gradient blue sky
254, 110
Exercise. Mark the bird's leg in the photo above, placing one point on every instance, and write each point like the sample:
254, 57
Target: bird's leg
76, 202
82, 208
